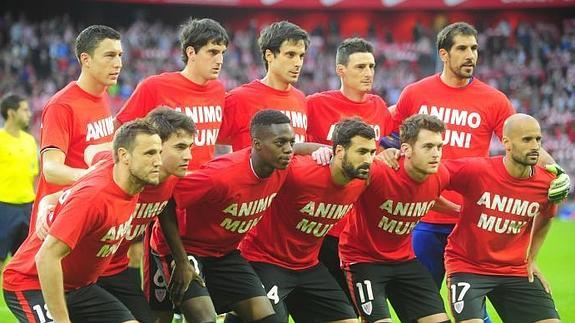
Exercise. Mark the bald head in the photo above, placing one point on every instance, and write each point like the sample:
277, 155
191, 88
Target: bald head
522, 139
518, 123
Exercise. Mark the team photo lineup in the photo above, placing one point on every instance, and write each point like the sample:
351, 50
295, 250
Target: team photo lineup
263, 204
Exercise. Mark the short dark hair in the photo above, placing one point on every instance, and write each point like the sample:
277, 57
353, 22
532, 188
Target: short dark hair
169, 121
273, 36
266, 118
125, 136
446, 35
10, 102
351, 46
409, 129
200, 32
348, 128
90, 38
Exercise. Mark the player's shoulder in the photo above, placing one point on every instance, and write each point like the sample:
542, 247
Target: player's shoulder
297, 93
245, 89
160, 78
424, 83
487, 90
541, 174
65, 96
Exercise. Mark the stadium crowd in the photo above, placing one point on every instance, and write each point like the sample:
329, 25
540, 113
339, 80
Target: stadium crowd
533, 65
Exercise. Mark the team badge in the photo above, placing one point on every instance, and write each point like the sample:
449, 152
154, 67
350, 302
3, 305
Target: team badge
367, 307
160, 294
458, 306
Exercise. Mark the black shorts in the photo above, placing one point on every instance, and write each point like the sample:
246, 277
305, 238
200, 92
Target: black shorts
229, 279
323, 298
14, 225
515, 299
125, 286
408, 285
87, 304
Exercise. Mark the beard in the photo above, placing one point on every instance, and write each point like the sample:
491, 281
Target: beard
354, 172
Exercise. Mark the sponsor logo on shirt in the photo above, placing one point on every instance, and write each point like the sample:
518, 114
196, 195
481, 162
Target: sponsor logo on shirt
113, 238
375, 127
204, 114
506, 205
403, 209
245, 209
321, 210
451, 116
99, 129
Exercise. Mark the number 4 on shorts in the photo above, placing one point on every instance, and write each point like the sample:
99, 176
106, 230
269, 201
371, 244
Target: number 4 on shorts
457, 298
273, 294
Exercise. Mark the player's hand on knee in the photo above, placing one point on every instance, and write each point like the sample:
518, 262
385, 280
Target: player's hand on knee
560, 186
182, 276
322, 155
45, 210
390, 157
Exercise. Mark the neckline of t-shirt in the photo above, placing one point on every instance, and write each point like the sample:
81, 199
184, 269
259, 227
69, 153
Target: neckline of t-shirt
403, 172
271, 89
470, 84
501, 167
348, 100
95, 97
199, 86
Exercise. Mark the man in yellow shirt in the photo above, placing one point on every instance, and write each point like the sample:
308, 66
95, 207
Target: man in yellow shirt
18, 167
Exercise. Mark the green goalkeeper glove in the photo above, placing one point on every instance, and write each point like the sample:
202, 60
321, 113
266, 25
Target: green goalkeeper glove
559, 188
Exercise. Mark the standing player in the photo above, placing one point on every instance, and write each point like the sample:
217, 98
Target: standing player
223, 200
283, 46
54, 279
472, 112
79, 114
284, 247
355, 65
19, 164
195, 91
375, 246
177, 133
505, 217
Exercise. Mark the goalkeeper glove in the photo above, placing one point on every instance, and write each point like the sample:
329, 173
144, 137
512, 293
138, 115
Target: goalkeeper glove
559, 188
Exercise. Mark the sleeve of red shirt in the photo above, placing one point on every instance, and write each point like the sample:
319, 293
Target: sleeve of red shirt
459, 174
228, 120
311, 117
403, 109
79, 214
57, 125
505, 110
102, 155
196, 186
138, 104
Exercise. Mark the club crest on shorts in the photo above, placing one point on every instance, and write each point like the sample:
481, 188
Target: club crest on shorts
458, 306
367, 307
160, 294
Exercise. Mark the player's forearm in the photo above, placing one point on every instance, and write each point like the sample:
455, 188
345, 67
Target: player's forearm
92, 150
540, 229
60, 174
169, 225
445, 206
52, 284
306, 148
545, 158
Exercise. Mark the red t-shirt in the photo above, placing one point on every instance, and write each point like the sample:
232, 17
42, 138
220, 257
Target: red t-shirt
71, 120
92, 218
493, 233
202, 103
224, 199
472, 115
327, 108
386, 214
151, 202
305, 209
243, 102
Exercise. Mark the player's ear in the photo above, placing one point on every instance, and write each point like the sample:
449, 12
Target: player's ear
269, 55
85, 59
339, 70
191, 53
506, 143
443, 55
256, 143
123, 156
339, 152
406, 149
